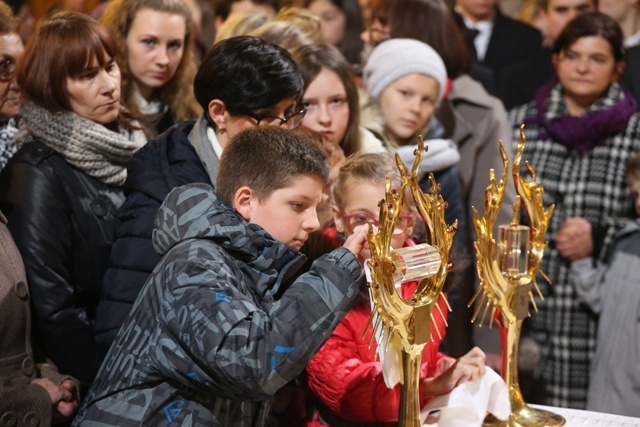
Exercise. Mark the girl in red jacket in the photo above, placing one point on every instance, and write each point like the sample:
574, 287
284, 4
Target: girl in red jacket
344, 376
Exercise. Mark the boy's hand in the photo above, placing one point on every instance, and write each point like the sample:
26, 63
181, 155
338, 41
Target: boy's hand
358, 242
450, 373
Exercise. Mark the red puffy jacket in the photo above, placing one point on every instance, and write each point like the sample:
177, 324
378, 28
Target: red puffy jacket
345, 376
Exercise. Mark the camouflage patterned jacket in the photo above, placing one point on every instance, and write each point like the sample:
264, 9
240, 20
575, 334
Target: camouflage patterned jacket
206, 343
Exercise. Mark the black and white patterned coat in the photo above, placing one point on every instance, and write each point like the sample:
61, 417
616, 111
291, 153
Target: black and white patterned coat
590, 185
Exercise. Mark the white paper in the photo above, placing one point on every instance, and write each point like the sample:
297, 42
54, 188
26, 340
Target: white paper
468, 403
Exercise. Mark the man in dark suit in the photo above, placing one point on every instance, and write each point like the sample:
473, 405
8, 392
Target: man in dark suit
520, 82
497, 40
630, 79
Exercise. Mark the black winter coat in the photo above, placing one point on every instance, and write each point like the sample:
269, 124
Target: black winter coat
62, 222
164, 163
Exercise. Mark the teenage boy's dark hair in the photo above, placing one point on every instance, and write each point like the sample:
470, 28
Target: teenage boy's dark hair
247, 74
266, 159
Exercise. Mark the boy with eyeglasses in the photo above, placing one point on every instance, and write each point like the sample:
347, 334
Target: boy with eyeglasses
207, 343
242, 82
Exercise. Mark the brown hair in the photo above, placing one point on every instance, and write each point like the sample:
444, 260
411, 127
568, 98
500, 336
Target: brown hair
312, 59
61, 48
429, 21
266, 159
589, 25
178, 92
8, 22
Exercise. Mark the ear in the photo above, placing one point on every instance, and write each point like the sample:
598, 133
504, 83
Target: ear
337, 219
554, 60
218, 113
217, 22
242, 202
619, 70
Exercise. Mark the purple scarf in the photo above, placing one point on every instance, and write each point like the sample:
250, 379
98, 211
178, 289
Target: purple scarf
588, 131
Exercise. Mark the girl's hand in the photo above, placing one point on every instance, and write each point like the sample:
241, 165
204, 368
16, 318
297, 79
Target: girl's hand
451, 373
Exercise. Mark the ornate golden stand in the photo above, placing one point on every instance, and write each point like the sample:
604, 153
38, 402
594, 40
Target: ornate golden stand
406, 325
506, 276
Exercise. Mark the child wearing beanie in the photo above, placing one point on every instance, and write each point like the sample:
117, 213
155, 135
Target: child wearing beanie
406, 80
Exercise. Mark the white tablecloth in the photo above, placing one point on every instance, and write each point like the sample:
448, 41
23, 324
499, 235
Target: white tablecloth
577, 418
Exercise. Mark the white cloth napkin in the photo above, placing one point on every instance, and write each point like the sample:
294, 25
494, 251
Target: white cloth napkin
389, 358
468, 403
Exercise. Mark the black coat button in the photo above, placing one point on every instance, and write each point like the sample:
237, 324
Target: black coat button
31, 419
28, 366
21, 290
9, 419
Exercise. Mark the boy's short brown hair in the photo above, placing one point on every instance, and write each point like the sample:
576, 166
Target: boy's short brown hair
266, 159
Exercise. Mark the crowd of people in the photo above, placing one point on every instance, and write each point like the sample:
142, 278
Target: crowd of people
186, 188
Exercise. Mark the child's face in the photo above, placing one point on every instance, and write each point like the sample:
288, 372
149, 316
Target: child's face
289, 213
327, 108
362, 207
634, 189
407, 105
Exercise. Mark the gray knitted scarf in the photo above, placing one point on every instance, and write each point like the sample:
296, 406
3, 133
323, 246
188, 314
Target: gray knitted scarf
85, 144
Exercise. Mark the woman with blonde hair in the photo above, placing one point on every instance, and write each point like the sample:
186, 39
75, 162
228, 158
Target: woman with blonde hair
157, 56
241, 24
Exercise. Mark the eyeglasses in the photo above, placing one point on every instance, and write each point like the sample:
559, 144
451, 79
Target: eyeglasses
290, 122
402, 224
7, 68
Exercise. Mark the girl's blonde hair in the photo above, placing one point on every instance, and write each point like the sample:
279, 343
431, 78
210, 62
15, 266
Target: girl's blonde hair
285, 34
178, 92
370, 167
241, 24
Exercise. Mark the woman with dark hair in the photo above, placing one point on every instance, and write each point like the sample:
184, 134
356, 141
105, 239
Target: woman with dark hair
61, 190
341, 26
580, 131
331, 99
157, 56
242, 82
468, 115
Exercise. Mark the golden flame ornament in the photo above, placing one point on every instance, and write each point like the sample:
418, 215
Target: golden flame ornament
506, 274
406, 325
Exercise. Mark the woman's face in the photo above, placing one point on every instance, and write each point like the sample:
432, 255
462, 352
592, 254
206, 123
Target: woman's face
11, 49
95, 94
155, 45
227, 125
586, 69
327, 108
332, 19
407, 105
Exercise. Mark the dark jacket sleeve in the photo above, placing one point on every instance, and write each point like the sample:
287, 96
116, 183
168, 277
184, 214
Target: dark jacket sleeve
451, 191
243, 349
161, 165
32, 195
